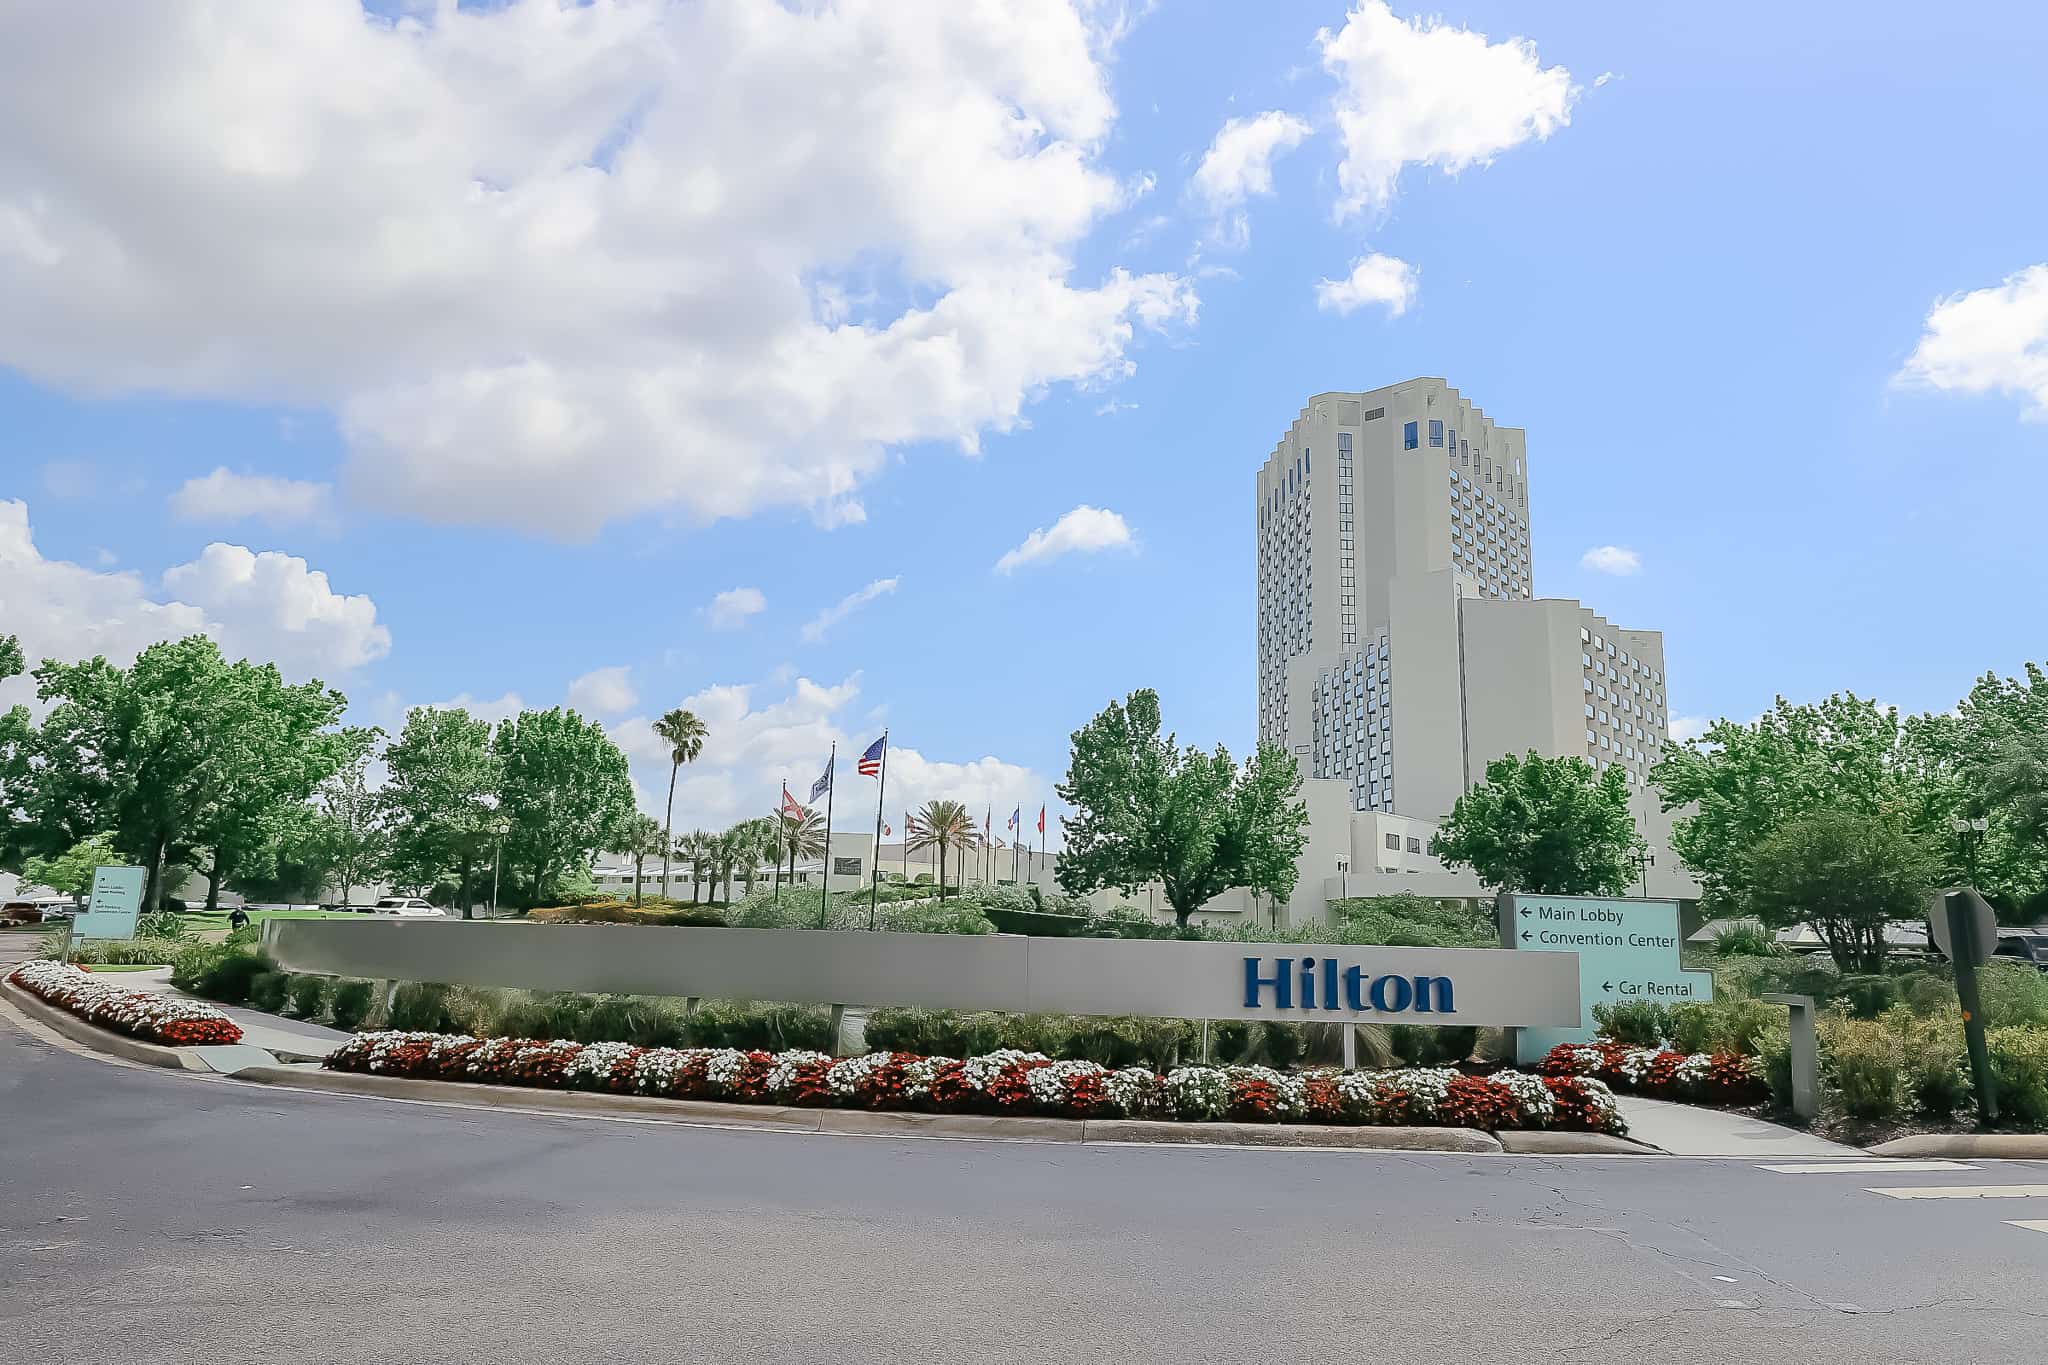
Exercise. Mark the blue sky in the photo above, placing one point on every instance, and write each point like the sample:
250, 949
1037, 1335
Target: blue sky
1753, 278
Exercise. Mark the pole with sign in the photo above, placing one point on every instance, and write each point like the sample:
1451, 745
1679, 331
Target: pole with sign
1964, 927
115, 905
1627, 950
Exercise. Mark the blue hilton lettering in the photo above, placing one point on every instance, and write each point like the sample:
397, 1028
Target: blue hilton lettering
1286, 983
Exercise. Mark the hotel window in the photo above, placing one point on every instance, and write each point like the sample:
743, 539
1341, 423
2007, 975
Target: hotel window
1414, 844
1408, 436
1394, 842
1436, 432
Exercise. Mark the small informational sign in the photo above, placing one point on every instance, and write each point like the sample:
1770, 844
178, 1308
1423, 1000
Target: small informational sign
846, 867
1628, 950
116, 903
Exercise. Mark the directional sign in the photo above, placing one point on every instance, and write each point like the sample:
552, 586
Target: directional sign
116, 901
1628, 950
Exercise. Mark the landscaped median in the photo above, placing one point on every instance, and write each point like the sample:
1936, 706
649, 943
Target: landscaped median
1003, 1083
153, 1018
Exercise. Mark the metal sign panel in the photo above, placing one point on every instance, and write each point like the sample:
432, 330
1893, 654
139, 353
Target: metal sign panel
116, 904
1627, 950
1981, 914
1302, 983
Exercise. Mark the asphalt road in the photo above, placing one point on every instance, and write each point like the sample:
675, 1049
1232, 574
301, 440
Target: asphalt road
149, 1216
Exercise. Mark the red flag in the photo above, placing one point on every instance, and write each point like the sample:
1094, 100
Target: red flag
789, 804
1041, 819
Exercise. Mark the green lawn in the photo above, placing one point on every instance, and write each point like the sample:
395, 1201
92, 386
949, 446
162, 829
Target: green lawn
218, 919
97, 968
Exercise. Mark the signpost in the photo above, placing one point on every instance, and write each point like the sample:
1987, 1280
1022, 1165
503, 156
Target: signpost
1628, 950
1964, 928
116, 902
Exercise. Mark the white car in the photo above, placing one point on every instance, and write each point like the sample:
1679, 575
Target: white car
410, 907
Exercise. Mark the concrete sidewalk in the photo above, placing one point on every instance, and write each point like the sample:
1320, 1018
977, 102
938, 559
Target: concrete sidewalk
288, 1039
1689, 1130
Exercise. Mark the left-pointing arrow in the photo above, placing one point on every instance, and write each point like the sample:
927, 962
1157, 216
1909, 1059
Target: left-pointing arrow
1525, 936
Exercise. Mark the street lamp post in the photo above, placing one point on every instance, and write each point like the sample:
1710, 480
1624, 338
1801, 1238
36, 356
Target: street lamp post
1644, 862
1971, 834
501, 827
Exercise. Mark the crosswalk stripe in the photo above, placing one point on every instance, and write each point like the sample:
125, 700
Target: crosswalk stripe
2030, 1224
1965, 1192
1851, 1167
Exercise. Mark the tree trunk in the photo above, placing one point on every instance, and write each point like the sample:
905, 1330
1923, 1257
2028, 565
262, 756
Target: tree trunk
942, 872
638, 859
668, 836
462, 886
155, 899
213, 877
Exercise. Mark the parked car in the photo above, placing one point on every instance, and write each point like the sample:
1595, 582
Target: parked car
410, 907
2029, 947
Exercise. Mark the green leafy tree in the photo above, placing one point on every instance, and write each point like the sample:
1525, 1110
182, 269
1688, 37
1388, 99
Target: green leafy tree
1846, 874
684, 734
284, 745
940, 825
71, 871
640, 838
699, 848
1198, 823
352, 841
1549, 826
438, 806
1739, 783
1988, 760
564, 788
181, 754
17, 732
758, 843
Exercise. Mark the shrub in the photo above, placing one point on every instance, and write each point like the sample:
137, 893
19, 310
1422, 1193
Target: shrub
519, 1015
350, 1005
147, 1015
1863, 1059
162, 924
1745, 938
2019, 1067
1641, 1023
1707, 1078
267, 991
2014, 995
748, 1026
932, 918
633, 1019
420, 1007
1410, 921
934, 1033
308, 995
126, 951
218, 971
1867, 996
1420, 1045
619, 912
1733, 1026
1935, 1061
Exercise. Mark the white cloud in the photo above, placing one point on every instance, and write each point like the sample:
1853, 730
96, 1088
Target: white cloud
1421, 92
272, 606
1682, 728
1387, 281
603, 691
1239, 166
752, 748
226, 496
1084, 530
267, 607
815, 628
1989, 340
552, 264
731, 608
1614, 559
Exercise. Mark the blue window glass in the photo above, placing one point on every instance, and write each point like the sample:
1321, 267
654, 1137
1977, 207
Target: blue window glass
1408, 436
1436, 432
1454, 438
1304, 459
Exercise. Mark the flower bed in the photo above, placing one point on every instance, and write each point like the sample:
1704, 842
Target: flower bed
1005, 1082
1697, 1077
139, 1014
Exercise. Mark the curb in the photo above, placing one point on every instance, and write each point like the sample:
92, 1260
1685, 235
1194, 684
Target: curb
2010, 1146
99, 1039
850, 1122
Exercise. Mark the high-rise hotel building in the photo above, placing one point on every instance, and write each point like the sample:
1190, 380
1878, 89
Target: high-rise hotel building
1401, 644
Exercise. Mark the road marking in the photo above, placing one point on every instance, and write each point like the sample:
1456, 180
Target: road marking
1851, 1167
2030, 1224
1965, 1192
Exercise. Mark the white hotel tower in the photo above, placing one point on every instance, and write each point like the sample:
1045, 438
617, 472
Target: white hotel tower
1401, 646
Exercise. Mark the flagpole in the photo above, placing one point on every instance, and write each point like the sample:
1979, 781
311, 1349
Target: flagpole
831, 790
781, 837
875, 894
1041, 841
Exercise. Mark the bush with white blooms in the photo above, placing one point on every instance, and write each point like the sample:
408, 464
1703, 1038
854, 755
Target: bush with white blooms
1004, 1082
146, 1015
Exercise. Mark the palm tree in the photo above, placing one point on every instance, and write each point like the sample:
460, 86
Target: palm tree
684, 734
640, 838
698, 847
759, 838
800, 836
940, 825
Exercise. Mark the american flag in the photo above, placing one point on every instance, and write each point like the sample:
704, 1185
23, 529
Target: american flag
1016, 820
871, 761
